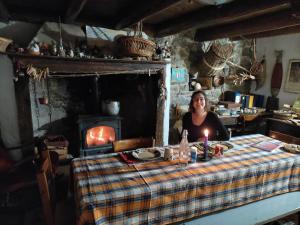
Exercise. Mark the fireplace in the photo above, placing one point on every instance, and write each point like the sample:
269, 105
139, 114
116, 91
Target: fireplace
66, 101
97, 133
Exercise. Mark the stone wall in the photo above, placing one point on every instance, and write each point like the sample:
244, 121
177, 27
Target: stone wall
187, 53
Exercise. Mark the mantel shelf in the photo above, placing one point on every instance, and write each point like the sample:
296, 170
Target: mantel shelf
68, 67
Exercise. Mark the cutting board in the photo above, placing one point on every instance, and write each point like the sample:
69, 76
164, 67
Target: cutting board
276, 79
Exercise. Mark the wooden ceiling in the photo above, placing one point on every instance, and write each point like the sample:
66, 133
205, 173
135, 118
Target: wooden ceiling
213, 19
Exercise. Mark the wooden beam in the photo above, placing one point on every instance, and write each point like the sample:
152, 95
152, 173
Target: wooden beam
259, 24
73, 10
24, 111
76, 67
40, 18
140, 10
212, 15
4, 13
286, 30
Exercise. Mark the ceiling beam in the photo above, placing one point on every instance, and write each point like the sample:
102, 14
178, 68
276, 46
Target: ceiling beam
222, 14
143, 9
286, 30
73, 10
4, 13
259, 24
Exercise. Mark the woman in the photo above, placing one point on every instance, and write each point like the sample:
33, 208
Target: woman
200, 118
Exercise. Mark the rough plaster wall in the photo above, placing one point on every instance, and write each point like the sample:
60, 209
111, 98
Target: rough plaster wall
8, 108
290, 44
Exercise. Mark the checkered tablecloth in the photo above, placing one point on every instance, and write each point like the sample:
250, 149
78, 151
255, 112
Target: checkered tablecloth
108, 191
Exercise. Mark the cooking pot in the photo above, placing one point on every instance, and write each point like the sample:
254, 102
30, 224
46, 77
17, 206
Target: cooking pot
111, 108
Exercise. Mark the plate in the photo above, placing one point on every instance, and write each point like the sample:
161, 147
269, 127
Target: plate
293, 148
146, 154
225, 145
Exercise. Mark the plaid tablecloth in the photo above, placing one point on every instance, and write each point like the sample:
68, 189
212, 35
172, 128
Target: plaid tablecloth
108, 191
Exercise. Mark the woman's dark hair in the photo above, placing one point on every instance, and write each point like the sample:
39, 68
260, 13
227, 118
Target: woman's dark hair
206, 107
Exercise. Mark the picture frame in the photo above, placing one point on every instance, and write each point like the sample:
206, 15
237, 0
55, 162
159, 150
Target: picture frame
292, 83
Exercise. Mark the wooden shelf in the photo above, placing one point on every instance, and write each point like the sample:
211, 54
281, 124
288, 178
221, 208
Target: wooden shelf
68, 67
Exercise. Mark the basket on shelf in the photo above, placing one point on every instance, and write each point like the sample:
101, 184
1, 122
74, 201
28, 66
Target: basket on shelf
136, 45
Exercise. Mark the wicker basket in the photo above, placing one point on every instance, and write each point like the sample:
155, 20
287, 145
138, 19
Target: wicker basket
4, 43
214, 60
136, 46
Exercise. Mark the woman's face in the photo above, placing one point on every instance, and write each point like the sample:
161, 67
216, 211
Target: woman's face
199, 102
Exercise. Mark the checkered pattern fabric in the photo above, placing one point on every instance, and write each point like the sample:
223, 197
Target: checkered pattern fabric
108, 191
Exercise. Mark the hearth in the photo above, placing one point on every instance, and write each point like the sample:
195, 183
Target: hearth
97, 133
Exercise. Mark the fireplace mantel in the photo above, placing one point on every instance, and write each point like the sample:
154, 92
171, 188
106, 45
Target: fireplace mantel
75, 67
67, 67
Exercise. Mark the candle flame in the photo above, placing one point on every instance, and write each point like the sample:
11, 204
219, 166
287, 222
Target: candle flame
206, 133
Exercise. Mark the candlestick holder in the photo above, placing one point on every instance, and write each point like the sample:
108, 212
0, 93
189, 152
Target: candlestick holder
205, 157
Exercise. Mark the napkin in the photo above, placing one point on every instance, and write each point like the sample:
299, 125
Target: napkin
266, 146
126, 157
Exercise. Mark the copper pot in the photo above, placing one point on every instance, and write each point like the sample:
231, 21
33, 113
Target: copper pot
218, 80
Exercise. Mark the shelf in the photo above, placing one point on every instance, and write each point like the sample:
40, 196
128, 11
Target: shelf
70, 67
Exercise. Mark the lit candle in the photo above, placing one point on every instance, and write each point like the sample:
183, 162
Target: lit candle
205, 143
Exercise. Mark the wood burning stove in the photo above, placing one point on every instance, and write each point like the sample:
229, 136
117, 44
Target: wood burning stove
97, 134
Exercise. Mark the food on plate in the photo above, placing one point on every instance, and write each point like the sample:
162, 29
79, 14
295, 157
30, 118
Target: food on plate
292, 148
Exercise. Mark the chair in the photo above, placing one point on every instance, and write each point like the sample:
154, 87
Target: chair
46, 184
133, 143
55, 213
17, 187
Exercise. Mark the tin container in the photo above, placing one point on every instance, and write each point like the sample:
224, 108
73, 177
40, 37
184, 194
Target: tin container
193, 154
168, 155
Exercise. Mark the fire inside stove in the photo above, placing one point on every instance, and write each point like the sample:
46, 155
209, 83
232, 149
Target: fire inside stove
100, 135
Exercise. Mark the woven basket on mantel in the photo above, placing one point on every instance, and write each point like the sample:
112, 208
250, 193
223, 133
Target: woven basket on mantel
136, 46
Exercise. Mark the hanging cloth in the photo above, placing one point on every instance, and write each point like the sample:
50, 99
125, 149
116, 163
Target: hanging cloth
276, 79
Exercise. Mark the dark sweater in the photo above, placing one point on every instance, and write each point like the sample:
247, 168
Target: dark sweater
216, 129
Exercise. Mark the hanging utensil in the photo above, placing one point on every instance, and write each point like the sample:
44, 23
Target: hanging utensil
276, 79
44, 99
256, 67
261, 77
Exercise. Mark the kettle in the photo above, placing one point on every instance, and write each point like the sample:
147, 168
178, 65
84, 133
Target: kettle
111, 108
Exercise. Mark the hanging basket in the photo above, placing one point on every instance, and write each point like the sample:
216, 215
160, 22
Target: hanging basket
136, 46
214, 60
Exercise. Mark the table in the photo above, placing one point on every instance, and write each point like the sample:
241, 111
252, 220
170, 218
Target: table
108, 191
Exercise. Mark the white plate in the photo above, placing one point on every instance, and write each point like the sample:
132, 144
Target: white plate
146, 154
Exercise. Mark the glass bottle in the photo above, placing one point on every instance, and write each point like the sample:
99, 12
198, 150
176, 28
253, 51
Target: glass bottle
184, 149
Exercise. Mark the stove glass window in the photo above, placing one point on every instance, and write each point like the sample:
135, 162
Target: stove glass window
100, 135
